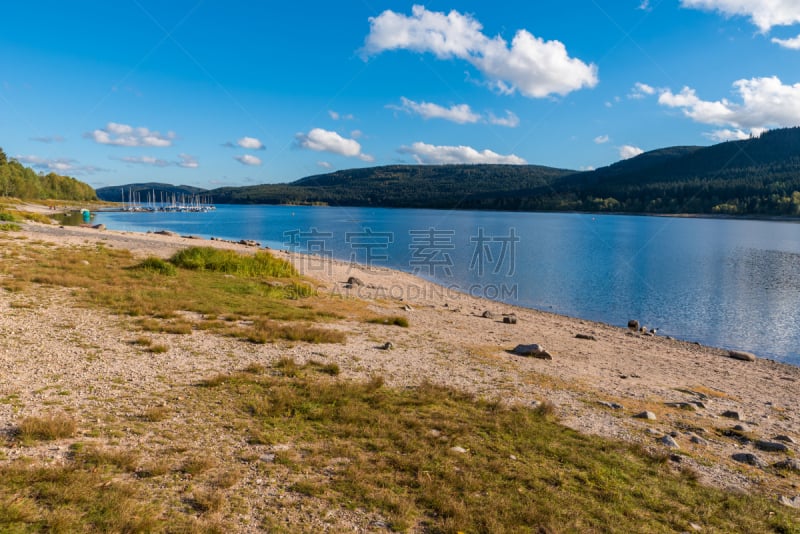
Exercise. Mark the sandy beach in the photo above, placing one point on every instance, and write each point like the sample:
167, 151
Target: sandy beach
599, 378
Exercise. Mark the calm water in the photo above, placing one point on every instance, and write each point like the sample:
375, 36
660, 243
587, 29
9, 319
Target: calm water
726, 283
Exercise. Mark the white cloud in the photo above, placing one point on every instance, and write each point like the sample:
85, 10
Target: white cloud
247, 159
124, 135
792, 44
532, 66
437, 155
250, 143
48, 139
628, 151
765, 103
335, 115
734, 135
356, 134
509, 121
458, 113
763, 13
601, 139
146, 160
645, 5
326, 141
641, 90
57, 165
187, 161
325, 164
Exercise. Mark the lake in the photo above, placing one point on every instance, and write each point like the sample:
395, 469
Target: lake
726, 283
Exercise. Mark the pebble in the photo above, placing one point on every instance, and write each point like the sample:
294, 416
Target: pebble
459, 450
612, 405
586, 337
268, 458
387, 346
510, 319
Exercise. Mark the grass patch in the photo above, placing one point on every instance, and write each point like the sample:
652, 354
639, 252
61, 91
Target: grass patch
158, 349
394, 452
261, 264
46, 428
10, 227
5, 216
394, 320
157, 265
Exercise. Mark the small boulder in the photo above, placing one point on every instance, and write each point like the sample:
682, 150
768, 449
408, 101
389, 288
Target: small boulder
166, 233
534, 350
748, 458
99, 226
742, 355
732, 414
488, 315
585, 336
408, 308
650, 416
387, 346
670, 442
459, 450
770, 446
353, 281
789, 464
793, 502
612, 405
510, 319
697, 440
633, 324
784, 438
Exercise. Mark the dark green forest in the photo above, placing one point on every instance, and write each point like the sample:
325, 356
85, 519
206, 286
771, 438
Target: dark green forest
19, 181
758, 176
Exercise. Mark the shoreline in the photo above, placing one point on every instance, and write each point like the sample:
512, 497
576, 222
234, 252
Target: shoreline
599, 378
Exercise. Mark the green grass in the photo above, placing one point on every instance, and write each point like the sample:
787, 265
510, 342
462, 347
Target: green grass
522, 472
226, 261
252, 303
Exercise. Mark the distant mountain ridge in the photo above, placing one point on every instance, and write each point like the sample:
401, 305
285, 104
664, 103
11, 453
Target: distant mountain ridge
758, 176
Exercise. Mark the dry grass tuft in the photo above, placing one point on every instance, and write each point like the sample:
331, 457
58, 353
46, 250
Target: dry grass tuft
46, 428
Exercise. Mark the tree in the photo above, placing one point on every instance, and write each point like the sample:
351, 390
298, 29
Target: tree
3, 158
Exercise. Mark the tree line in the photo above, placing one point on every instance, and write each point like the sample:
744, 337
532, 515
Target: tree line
22, 182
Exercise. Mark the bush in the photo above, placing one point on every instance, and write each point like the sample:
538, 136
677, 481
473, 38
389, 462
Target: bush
157, 265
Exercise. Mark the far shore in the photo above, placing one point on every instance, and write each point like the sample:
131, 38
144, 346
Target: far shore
599, 378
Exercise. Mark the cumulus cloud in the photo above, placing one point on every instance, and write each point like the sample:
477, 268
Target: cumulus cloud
187, 161
628, 151
734, 135
641, 90
326, 141
765, 14
248, 159
601, 139
438, 155
765, 103
792, 44
458, 113
250, 143
57, 165
530, 65
124, 135
509, 121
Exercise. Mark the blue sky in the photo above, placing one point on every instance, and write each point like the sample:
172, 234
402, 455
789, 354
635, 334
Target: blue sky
214, 93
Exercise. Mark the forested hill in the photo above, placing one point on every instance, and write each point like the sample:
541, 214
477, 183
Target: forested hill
19, 181
754, 176
759, 176
413, 186
141, 191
